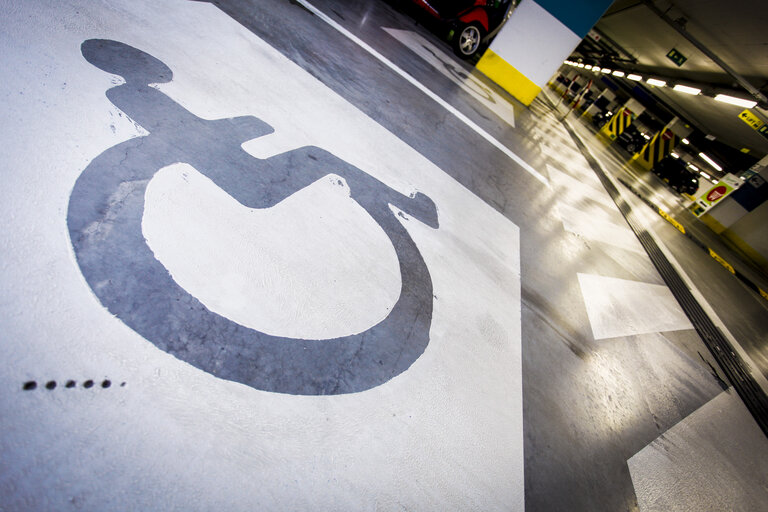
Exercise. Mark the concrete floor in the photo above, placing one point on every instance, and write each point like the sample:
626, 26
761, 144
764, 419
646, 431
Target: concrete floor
278, 255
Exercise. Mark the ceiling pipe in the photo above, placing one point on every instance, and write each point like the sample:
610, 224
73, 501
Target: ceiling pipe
617, 11
759, 96
614, 46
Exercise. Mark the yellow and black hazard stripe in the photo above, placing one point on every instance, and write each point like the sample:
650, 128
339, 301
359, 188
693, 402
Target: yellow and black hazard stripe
730, 268
617, 124
657, 148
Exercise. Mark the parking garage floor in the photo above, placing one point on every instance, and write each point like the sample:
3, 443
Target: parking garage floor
291, 255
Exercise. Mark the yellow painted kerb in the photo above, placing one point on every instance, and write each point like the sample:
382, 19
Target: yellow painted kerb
510, 79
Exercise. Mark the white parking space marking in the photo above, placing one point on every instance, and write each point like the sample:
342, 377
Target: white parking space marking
712, 460
551, 129
575, 191
618, 307
447, 106
446, 434
573, 161
600, 230
447, 66
647, 217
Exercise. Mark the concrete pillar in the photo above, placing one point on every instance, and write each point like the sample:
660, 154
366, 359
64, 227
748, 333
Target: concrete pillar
602, 102
621, 119
569, 75
662, 143
532, 45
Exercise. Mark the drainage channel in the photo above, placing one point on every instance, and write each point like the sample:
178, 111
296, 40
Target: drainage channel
730, 268
731, 363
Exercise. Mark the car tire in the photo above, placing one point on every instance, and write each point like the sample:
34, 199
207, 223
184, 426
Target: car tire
467, 39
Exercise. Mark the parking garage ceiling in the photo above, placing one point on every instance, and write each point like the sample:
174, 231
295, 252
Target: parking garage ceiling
735, 31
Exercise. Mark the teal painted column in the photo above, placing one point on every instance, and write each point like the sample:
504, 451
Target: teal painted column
534, 42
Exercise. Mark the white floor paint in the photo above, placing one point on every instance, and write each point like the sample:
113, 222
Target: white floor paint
618, 307
251, 265
713, 460
440, 101
447, 65
645, 216
575, 191
593, 228
444, 435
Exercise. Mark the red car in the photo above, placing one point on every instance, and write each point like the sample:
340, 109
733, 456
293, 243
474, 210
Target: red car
470, 22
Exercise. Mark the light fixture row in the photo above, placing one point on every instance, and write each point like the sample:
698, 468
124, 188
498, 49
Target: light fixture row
685, 89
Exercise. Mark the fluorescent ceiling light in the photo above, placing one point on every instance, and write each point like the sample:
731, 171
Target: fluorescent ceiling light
702, 173
605, 70
693, 167
588, 66
674, 155
618, 73
580, 65
685, 141
634, 77
657, 83
735, 101
646, 136
686, 89
710, 161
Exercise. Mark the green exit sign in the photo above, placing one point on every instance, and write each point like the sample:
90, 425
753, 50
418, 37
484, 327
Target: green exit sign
676, 57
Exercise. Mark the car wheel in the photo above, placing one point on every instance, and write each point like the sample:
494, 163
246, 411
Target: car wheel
467, 40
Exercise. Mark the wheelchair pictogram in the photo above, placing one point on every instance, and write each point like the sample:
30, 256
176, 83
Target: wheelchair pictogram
105, 215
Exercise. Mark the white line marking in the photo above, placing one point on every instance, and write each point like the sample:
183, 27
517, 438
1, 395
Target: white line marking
620, 307
752, 368
447, 106
447, 67
715, 459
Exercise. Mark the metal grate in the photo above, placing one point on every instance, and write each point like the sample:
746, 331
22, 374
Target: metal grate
731, 363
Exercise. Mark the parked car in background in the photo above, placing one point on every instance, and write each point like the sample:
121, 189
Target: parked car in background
602, 117
674, 172
631, 139
470, 24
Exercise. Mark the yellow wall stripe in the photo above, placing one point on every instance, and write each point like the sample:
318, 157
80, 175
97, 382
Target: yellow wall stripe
508, 78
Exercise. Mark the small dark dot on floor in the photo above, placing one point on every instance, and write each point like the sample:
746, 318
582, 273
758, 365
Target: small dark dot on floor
70, 384
106, 383
122, 384
51, 384
30, 385
88, 384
